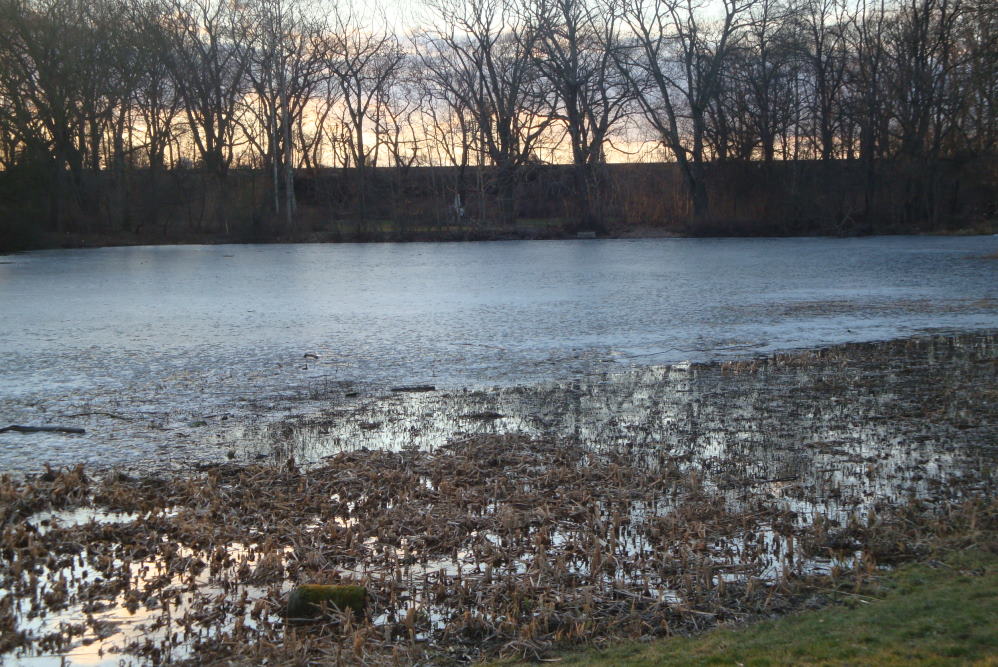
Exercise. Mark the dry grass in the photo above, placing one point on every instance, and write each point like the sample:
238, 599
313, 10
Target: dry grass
499, 545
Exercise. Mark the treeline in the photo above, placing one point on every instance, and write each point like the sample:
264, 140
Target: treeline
269, 118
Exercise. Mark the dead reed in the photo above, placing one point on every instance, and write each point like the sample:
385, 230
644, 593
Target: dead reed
493, 544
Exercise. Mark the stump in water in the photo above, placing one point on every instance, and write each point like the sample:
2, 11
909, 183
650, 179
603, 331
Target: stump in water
305, 601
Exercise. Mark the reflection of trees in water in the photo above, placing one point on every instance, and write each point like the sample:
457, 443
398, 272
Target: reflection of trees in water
836, 427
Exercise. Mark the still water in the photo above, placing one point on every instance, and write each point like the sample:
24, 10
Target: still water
145, 346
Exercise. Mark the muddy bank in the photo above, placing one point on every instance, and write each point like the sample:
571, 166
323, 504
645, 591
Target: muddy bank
515, 521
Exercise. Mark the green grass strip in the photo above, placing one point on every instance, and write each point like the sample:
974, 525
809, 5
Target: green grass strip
923, 614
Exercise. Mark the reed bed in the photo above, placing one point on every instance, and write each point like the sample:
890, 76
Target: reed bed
503, 544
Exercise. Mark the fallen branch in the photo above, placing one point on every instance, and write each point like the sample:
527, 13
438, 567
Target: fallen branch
41, 429
102, 414
483, 416
774, 480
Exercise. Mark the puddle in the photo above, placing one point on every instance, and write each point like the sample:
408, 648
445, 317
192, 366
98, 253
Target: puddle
54, 519
101, 605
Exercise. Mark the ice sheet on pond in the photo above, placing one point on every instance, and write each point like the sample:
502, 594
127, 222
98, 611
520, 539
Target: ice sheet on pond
156, 350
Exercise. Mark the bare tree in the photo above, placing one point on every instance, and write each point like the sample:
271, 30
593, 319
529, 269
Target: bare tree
768, 69
977, 39
484, 57
208, 56
54, 82
675, 67
822, 26
450, 131
365, 63
10, 144
395, 125
924, 60
100, 98
315, 136
156, 99
289, 68
575, 45
867, 106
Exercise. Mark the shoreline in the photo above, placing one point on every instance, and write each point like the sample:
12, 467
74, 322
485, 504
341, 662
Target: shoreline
937, 609
712, 494
318, 415
79, 242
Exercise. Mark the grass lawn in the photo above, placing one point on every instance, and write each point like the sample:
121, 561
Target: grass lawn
922, 614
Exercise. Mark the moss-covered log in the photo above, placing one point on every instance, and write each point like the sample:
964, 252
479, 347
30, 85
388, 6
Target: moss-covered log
306, 601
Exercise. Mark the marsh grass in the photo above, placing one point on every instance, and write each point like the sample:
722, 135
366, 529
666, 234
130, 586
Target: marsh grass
514, 545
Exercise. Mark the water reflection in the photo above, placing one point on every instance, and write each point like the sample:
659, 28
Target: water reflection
102, 605
135, 344
854, 419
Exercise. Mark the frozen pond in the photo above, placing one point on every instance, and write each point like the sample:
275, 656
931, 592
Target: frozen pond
155, 350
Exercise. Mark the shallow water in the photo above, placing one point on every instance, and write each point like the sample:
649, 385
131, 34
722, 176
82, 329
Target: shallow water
765, 467
156, 350
872, 420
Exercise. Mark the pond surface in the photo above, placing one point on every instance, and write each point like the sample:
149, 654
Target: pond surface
154, 349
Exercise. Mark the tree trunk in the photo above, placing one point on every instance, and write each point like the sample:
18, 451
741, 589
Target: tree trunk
506, 188
701, 209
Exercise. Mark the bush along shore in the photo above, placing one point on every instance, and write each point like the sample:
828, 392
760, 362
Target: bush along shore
515, 546
748, 199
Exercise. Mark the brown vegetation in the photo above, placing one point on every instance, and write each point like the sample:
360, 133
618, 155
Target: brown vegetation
489, 546
511, 545
748, 199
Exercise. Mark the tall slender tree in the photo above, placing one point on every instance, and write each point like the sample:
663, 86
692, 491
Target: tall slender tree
675, 65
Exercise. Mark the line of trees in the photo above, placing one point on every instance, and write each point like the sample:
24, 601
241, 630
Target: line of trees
101, 98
